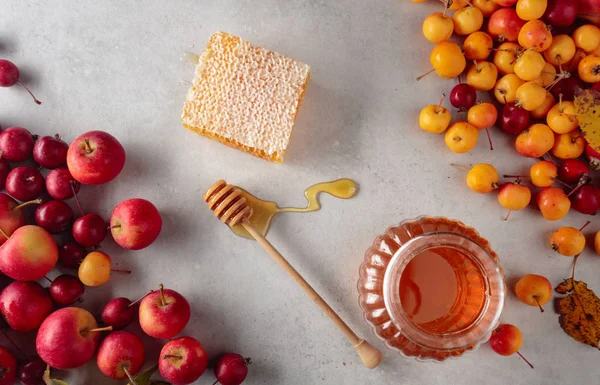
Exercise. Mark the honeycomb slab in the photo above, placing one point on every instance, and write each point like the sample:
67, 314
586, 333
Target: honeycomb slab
245, 96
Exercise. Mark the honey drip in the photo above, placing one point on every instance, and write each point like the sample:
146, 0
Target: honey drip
263, 211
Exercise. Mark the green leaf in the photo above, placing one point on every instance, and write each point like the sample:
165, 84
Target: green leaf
144, 377
51, 381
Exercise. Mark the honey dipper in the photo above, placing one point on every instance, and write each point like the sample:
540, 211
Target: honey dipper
228, 204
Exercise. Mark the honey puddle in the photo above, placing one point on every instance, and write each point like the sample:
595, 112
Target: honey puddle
263, 211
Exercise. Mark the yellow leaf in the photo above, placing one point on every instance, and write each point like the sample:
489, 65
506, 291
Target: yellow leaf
579, 312
587, 105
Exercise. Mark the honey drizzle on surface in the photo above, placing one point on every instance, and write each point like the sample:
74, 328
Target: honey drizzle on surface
264, 211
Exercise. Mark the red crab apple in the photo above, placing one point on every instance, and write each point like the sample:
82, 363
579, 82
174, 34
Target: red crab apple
89, 230
50, 151
60, 184
164, 313
66, 289
31, 371
182, 361
24, 305
4, 170
135, 224
590, 10
120, 355
16, 144
68, 338
71, 254
593, 156
118, 313
8, 367
95, 157
29, 254
232, 369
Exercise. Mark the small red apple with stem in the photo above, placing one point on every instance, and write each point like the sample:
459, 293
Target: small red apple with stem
31, 372
119, 312
232, 369
16, 143
95, 157
71, 254
25, 305
29, 254
121, 355
182, 361
61, 185
68, 338
8, 367
66, 289
164, 313
135, 224
50, 151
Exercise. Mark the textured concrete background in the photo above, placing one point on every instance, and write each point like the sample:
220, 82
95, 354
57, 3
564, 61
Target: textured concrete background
115, 66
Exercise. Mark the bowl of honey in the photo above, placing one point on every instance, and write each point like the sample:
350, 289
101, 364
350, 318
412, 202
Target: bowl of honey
431, 288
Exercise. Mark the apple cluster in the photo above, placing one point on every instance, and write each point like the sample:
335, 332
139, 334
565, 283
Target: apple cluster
47, 172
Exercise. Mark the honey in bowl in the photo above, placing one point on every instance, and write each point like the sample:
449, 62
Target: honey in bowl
431, 288
442, 290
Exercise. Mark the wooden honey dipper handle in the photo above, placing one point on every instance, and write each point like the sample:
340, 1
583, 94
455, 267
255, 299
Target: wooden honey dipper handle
231, 208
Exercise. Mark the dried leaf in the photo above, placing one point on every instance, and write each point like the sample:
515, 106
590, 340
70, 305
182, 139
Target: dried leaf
579, 312
144, 377
587, 105
51, 381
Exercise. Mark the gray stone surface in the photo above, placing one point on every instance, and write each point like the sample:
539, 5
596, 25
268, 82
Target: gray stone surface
115, 66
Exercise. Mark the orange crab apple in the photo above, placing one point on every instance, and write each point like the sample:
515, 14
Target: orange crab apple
534, 290
535, 141
553, 203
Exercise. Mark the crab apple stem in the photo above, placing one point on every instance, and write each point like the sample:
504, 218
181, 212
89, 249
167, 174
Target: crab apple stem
487, 131
33, 202
72, 183
573, 268
583, 180
161, 288
113, 227
104, 329
437, 109
131, 380
215, 383
525, 359
171, 356
538, 303
563, 183
425, 74
47, 279
121, 271
584, 225
507, 215
88, 148
13, 343
443, 14
4, 233
30, 93
141, 298
459, 166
